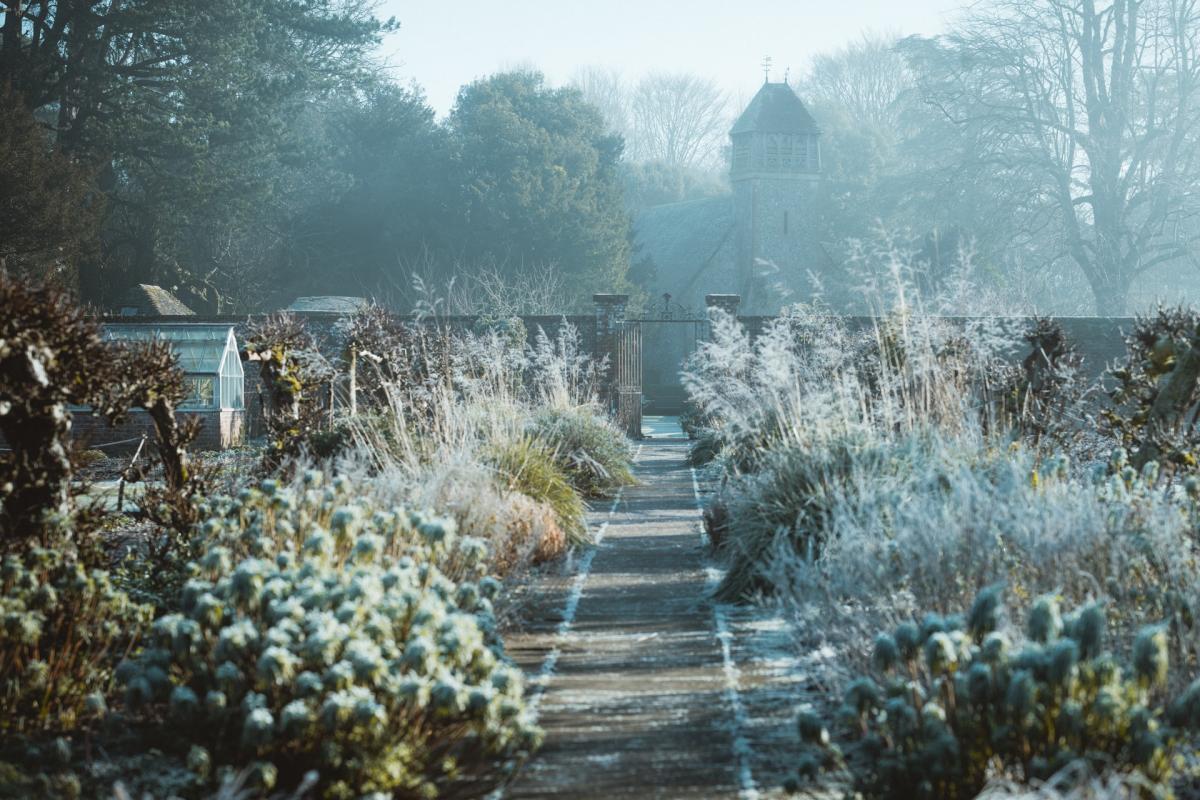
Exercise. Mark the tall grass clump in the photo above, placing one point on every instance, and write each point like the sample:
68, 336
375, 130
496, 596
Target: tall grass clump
527, 466
524, 414
587, 447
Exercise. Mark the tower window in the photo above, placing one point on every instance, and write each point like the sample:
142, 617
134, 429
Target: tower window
785, 223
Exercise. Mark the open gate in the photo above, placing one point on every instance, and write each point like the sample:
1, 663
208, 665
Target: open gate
646, 355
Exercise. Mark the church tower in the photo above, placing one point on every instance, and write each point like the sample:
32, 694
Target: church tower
775, 169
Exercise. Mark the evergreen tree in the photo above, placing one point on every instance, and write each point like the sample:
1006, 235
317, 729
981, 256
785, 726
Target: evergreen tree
537, 174
190, 104
49, 205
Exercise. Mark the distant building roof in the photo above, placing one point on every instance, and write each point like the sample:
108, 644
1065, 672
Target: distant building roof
332, 304
148, 300
691, 246
775, 109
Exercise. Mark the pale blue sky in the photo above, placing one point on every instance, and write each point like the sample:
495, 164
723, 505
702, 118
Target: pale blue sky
443, 44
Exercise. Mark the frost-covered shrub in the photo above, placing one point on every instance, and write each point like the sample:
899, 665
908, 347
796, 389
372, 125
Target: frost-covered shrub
591, 451
293, 372
1155, 391
64, 628
808, 376
387, 360
53, 357
693, 421
321, 635
784, 505
1041, 398
862, 527
926, 522
954, 701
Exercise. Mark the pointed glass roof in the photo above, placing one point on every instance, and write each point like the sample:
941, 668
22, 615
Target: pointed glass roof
200, 347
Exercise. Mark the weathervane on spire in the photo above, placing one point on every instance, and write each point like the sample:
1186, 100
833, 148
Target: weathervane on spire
766, 65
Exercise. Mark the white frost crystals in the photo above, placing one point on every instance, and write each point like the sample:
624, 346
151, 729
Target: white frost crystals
319, 657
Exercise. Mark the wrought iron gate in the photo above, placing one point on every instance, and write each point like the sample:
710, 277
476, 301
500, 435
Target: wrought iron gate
667, 344
627, 374
646, 358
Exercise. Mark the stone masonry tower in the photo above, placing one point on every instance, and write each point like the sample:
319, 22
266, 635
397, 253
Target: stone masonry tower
775, 170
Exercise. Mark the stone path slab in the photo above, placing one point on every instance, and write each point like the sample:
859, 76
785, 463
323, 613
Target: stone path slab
646, 688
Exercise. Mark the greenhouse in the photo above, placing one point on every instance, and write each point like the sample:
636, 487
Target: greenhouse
208, 356
213, 374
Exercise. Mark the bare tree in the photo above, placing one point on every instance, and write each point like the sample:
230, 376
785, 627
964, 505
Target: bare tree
1094, 106
679, 119
605, 89
866, 78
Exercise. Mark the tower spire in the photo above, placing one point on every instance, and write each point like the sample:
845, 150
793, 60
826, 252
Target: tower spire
766, 66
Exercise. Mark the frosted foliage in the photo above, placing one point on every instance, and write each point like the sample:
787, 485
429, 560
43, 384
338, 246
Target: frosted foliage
807, 376
320, 634
498, 389
923, 524
499, 363
865, 481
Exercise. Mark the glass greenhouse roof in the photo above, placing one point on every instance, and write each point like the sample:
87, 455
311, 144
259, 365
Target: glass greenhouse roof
200, 347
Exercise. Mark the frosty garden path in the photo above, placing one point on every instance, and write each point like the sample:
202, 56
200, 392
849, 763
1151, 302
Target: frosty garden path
644, 687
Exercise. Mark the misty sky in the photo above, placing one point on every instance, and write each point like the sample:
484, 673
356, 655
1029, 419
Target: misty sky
443, 44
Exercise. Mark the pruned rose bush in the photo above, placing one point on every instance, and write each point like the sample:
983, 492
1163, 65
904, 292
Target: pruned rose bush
319, 634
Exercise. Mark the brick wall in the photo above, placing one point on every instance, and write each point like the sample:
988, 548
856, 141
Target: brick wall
219, 430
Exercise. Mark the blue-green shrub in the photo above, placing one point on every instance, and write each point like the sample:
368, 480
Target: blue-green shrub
63, 628
319, 635
953, 702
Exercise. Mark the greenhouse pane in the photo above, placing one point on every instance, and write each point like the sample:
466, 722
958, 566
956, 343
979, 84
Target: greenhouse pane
233, 393
201, 391
199, 347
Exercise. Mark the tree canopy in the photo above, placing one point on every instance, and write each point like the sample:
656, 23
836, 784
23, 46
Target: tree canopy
50, 207
539, 179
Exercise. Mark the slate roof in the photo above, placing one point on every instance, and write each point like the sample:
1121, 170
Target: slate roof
775, 109
691, 245
329, 304
154, 301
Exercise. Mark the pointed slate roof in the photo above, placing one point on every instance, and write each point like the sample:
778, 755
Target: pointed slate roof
775, 109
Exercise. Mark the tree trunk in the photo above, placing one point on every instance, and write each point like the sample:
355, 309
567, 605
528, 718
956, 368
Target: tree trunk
1110, 287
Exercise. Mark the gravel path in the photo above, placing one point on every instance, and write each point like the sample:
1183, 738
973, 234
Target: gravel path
645, 687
